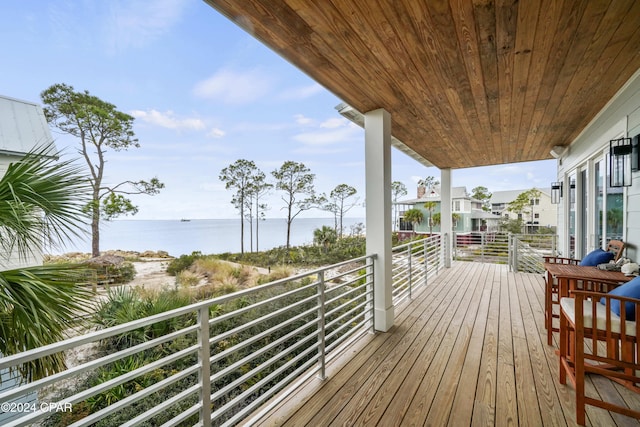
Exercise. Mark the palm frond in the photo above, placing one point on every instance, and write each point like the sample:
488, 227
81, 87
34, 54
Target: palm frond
37, 305
41, 201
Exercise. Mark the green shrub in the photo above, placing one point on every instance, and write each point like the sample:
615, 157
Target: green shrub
308, 256
182, 263
111, 371
187, 279
122, 273
126, 304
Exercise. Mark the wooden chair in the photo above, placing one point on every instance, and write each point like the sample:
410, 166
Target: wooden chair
610, 348
616, 247
551, 286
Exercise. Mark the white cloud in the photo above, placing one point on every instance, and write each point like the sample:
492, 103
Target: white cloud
302, 120
334, 131
320, 150
335, 122
140, 22
168, 120
302, 92
212, 186
234, 87
508, 170
216, 133
260, 127
337, 136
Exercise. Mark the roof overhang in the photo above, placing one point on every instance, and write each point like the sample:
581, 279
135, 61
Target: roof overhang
357, 117
466, 83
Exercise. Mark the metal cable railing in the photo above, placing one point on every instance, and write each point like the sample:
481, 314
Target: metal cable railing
522, 252
221, 359
528, 251
413, 264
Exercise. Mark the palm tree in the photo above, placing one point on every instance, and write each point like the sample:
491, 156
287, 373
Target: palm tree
41, 201
414, 216
325, 236
430, 207
455, 217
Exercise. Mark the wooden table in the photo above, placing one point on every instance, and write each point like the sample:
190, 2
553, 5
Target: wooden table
580, 272
568, 276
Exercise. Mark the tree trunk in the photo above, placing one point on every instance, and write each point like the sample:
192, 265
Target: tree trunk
241, 233
250, 232
95, 233
257, 223
289, 220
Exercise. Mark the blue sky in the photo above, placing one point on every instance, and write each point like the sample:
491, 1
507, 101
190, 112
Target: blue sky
204, 93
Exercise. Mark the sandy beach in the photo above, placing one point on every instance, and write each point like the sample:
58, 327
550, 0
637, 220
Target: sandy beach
152, 273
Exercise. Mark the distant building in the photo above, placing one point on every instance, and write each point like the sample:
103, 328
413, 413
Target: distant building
468, 215
23, 127
540, 214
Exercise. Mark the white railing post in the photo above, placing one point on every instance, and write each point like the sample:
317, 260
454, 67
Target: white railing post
515, 244
454, 246
204, 355
321, 331
409, 249
510, 252
371, 289
450, 250
425, 251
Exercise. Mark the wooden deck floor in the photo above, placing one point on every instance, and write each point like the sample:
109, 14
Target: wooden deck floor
470, 349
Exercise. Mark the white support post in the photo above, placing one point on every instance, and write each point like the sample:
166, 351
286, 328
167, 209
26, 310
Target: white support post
204, 359
322, 371
378, 211
446, 221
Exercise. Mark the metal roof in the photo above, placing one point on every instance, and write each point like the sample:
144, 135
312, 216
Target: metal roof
23, 126
456, 194
478, 214
508, 196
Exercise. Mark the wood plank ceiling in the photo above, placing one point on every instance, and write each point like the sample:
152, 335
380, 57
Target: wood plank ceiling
467, 83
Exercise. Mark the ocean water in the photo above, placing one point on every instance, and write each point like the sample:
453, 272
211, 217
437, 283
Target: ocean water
209, 236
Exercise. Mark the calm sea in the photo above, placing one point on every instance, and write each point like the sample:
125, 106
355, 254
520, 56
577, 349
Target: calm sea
209, 236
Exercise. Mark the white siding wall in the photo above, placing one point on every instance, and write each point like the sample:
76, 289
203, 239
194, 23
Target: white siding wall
633, 194
621, 117
546, 210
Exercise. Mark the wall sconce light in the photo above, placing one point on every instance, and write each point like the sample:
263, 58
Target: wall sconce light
620, 162
556, 192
